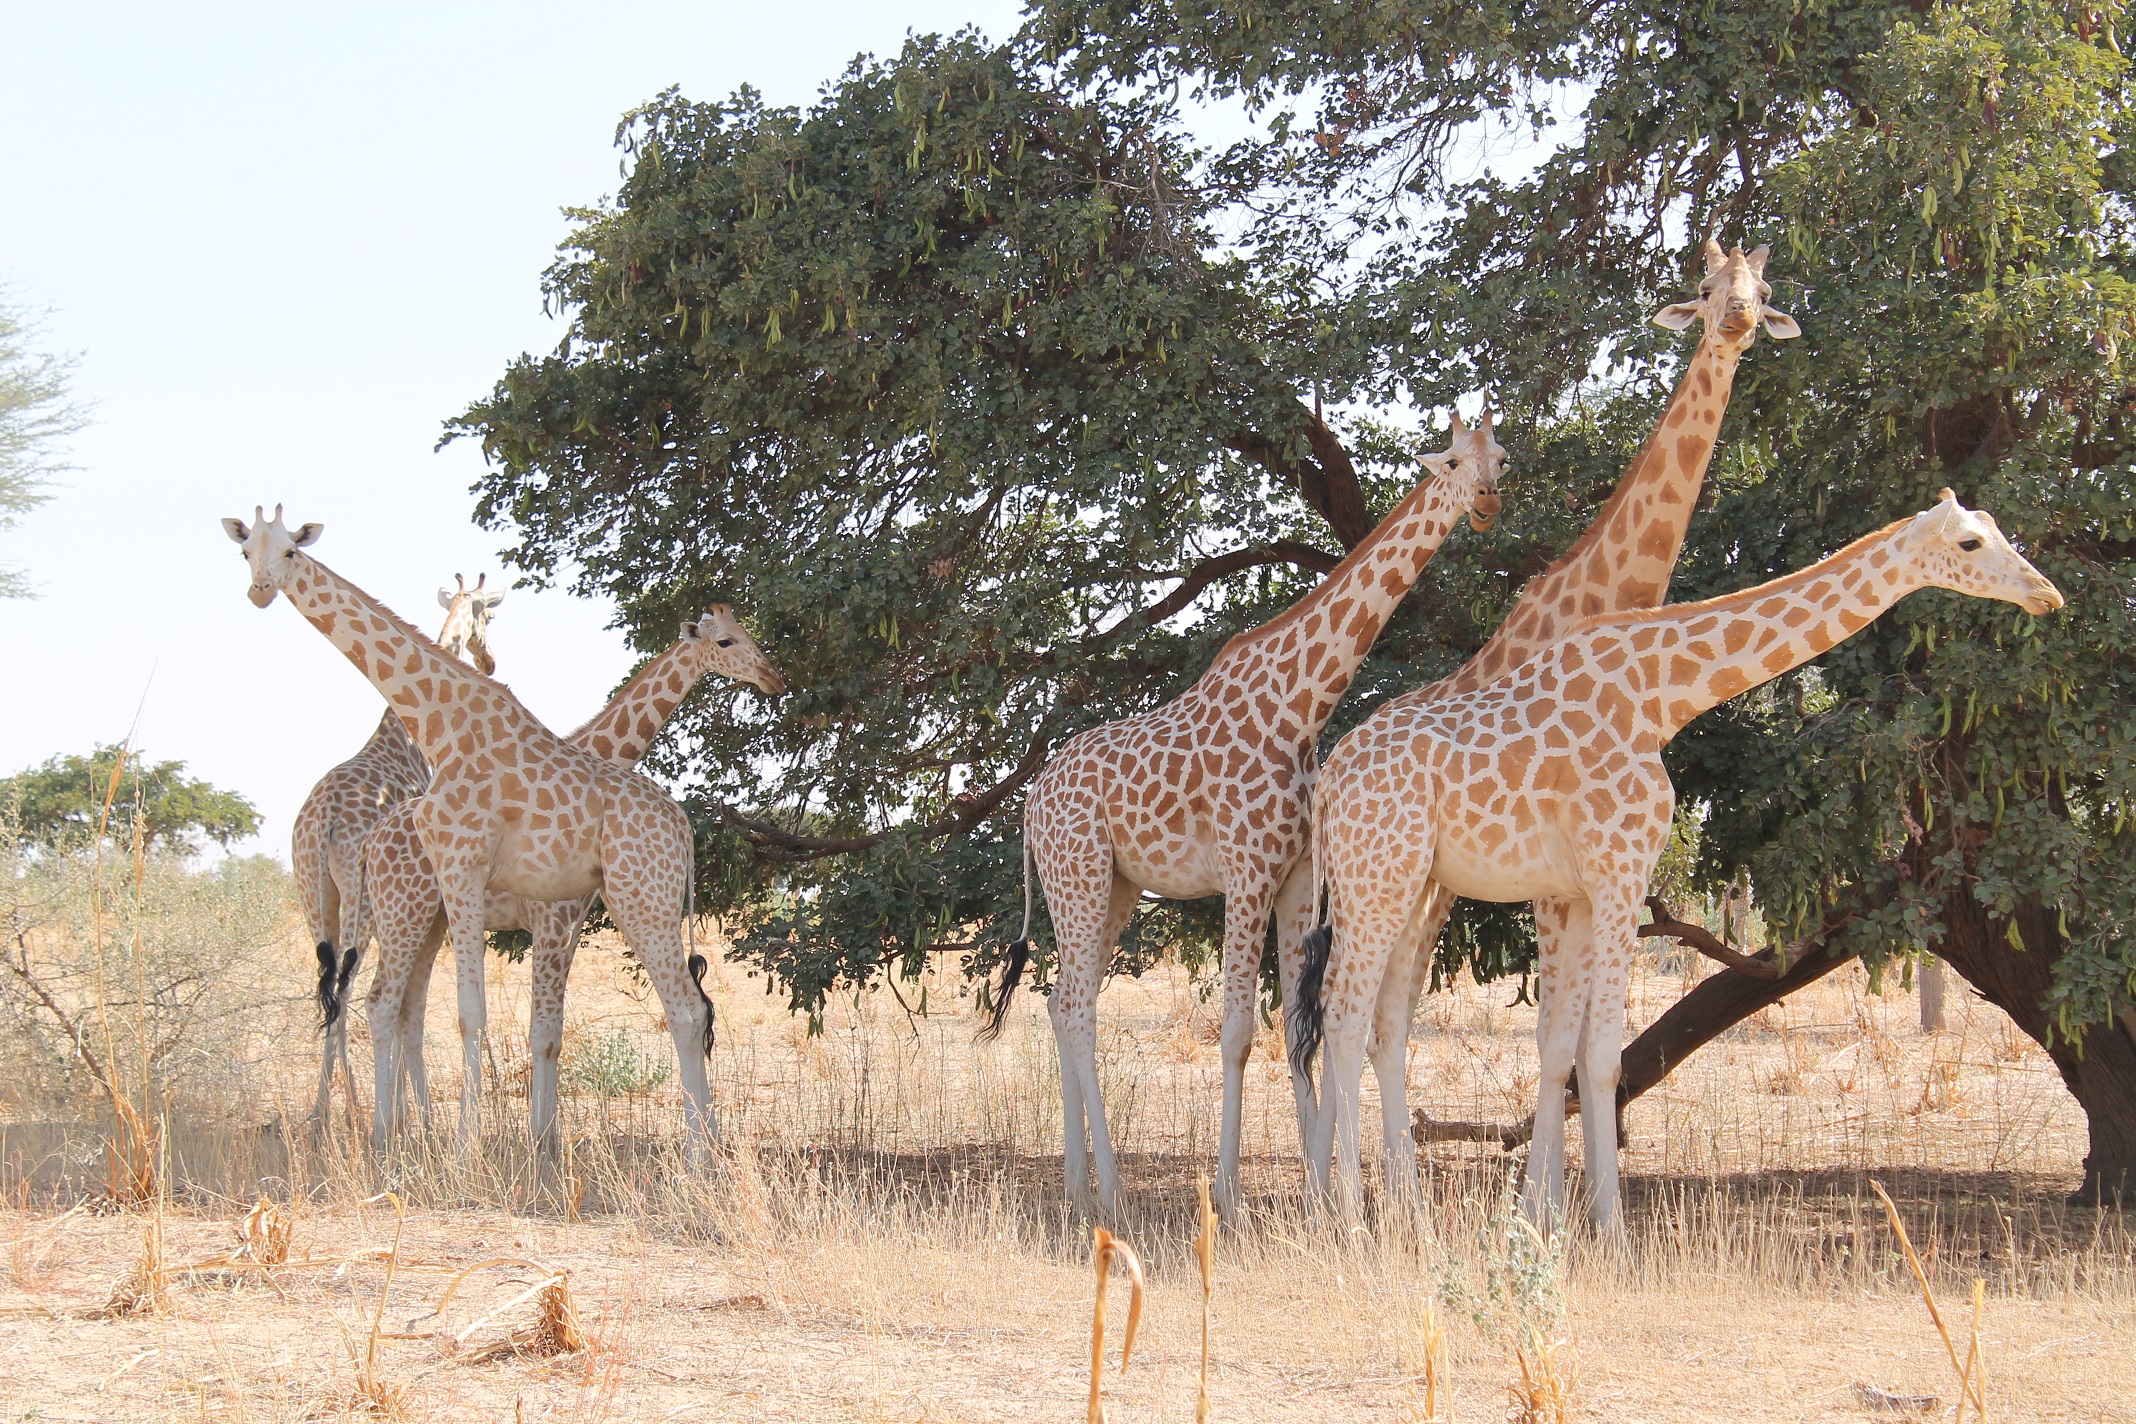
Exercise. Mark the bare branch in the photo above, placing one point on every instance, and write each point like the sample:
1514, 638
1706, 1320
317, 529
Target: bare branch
1668, 924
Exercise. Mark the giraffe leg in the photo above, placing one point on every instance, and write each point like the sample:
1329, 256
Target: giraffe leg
556, 937
1295, 917
1368, 931
1560, 992
462, 884
1408, 970
645, 892
1076, 872
355, 936
1246, 907
1615, 928
415, 1010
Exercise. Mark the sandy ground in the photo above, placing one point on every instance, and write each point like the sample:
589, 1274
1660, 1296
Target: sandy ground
890, 1246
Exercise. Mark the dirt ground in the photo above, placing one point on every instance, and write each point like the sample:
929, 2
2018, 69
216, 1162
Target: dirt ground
883, 1240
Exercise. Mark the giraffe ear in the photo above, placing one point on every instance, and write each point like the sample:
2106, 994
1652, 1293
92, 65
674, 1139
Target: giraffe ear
307, 534
1678, 315
237, 531
490, 600
445, 599
1435, 464
1779, 324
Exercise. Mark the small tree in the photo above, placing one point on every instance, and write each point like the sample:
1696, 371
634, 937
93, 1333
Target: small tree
34, 416
59, 802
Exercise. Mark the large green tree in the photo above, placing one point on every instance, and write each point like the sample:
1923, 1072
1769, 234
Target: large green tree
999, 402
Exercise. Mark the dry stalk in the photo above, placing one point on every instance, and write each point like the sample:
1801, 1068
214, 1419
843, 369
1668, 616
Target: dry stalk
555, 1331
372, 1392
1972, 1357
1434, 1340
267, 1230
1968, 1388
1105, 1249
1543, 1394
1205, 1254
145, 1289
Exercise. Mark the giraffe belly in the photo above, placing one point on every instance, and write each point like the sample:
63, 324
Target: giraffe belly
1520, 866
1177, 871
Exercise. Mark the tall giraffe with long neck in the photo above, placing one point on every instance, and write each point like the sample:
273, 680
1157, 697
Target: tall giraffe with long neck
510, 804
1624, 561
1549, 783
408, 912
326, 844
1207, 795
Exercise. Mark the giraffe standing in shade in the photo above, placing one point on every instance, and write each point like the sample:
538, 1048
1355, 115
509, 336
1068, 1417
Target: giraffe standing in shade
408, 915
1549, 782
1208, 795
510, 804
1622, 562
326, 852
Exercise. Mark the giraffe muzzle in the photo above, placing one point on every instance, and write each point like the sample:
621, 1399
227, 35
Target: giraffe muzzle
1484, 513
261, 594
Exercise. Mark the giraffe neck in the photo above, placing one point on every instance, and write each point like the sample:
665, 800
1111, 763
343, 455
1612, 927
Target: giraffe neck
422, 685
622, 731
1344, 613
1695, 656
390, 746
1625, 558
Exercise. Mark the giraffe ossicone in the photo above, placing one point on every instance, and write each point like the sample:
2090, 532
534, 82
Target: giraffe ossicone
1207, 795
1549, 785
510, 805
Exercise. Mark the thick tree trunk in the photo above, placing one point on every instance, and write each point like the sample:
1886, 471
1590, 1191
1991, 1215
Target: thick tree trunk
2100, 1069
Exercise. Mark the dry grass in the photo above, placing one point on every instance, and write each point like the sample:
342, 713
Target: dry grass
882, 1236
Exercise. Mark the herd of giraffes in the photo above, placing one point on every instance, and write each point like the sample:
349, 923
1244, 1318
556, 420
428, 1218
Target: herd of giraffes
1533, 773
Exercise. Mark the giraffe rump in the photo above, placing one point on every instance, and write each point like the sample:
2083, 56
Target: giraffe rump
1305, 1016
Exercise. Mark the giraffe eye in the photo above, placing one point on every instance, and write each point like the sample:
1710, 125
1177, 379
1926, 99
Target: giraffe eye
726, 642
1969, 545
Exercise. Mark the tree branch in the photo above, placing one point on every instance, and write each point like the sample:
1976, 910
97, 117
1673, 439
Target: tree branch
1328, 481
1668, 924
775, 842
1208, 571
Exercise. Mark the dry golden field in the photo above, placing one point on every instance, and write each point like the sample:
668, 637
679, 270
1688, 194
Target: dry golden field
883, 1239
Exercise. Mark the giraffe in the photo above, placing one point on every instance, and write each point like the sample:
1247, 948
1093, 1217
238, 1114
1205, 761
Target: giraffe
408, 915
1549, 782
325, 849
511, 804
1207, 795
1622, 562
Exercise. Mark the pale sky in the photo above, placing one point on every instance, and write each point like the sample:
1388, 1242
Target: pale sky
286, 243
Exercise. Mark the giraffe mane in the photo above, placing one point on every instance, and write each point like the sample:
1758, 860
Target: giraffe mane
403, 626
651, 664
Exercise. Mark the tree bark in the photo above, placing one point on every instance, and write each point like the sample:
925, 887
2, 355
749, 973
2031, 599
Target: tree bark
1932, 981
2099, 1068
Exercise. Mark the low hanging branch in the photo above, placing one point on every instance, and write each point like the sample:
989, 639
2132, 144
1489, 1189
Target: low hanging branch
1667, 924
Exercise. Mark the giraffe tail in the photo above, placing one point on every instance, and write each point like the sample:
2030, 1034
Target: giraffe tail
331, 980
1019, 955
697, 962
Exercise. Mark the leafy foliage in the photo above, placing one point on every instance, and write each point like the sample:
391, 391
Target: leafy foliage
62, 801
34, 415
999, 402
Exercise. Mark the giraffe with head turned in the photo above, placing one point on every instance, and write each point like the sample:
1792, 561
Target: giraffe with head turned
511, 805
1207, 795
1623, 561
1549, 782
326, 852
408, 914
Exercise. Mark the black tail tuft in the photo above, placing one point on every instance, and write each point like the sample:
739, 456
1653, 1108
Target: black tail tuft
698, 966
329, 985
1019, 956
1304, 1016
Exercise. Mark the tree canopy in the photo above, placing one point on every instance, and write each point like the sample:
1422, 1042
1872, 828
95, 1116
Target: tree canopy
62, 802
998, 400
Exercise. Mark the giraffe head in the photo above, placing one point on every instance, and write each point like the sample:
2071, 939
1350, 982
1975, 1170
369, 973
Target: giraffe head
1474, 460
270, 550
467, 614
1961, 549
1732, 300
725, 647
